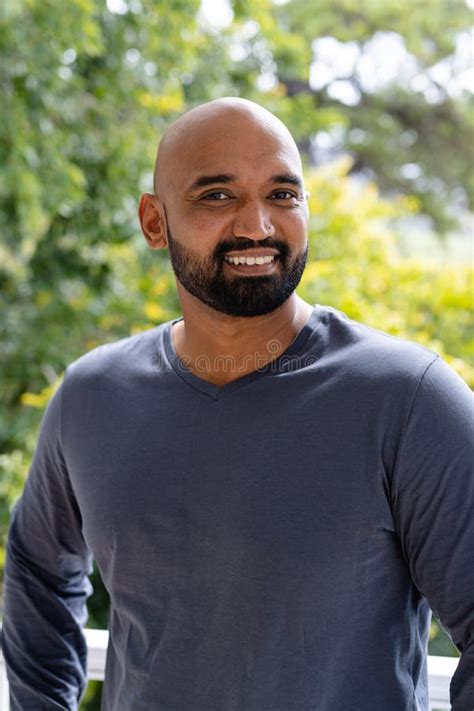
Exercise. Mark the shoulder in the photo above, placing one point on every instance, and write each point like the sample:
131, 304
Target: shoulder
370, 353
116, 360
404, 381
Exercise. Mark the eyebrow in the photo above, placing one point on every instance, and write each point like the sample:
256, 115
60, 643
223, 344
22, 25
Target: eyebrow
204, 181
290, 178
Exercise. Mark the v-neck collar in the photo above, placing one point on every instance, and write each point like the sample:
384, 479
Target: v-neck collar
282, 363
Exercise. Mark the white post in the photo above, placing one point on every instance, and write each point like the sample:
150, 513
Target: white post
4, 700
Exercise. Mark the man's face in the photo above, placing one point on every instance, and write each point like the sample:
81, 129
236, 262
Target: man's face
254, 207
208, 278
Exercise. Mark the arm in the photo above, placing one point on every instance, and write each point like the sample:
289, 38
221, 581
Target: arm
433, 504
46, 583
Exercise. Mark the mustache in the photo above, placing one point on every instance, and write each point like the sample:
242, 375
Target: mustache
244, 245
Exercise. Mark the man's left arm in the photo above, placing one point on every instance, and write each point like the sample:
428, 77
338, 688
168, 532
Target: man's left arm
433, 505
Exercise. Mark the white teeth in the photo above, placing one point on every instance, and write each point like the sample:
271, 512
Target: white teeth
250, 261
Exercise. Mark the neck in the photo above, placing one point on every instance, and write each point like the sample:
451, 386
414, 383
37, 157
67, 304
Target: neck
221, 348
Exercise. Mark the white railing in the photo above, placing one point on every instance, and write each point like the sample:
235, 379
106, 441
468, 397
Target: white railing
440, 671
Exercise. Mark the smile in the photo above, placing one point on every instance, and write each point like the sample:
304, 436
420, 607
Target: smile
250, 261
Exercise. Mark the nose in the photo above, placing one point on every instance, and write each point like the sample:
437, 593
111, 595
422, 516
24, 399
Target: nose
253, 222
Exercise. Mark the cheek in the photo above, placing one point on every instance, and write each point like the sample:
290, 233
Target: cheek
200, 218
203, 230
293, 226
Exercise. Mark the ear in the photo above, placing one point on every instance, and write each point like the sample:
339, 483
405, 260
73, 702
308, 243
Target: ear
150, 214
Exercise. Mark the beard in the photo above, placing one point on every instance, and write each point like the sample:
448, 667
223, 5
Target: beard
234, 295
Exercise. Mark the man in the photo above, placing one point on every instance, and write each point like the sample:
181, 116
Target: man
274, 494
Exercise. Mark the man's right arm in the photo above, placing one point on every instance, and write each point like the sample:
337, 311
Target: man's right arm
46, 582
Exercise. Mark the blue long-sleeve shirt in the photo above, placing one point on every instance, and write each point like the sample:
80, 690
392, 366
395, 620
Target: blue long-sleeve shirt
274, 544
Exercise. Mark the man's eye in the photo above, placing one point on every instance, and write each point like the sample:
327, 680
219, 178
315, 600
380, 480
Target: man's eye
217, 196
283, 195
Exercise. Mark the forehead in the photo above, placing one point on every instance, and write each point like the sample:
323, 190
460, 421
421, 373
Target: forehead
238, 168
250, 152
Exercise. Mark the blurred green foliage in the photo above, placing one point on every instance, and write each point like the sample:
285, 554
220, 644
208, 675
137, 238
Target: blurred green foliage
87, 89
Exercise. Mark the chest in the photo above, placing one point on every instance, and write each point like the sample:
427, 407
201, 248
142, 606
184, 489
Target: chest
271, 482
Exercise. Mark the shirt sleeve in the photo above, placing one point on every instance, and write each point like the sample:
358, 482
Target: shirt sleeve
433, 504
46, 582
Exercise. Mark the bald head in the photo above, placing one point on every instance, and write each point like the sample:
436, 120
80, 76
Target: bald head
223, 122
